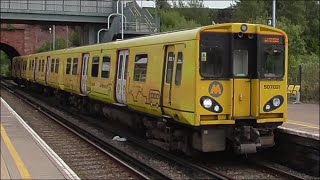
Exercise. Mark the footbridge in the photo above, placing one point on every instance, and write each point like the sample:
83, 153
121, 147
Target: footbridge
92, 15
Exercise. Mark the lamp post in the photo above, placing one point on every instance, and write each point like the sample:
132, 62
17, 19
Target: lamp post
50, 30
274, 13
54, 37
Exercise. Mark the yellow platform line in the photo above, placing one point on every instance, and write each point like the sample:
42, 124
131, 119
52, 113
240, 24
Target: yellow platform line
299, 124
21, 167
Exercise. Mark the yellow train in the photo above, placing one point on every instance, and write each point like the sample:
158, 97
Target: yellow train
197, 89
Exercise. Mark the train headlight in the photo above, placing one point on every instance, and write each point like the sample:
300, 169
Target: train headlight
216, 108
267, 107
276, 102
207, 103
244, 28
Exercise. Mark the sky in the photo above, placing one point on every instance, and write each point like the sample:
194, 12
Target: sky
218, 4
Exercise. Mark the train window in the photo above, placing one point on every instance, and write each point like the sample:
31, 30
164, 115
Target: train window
170, 64
211, 61
36, 61
39, 65
56, 68
179, 68
140, 67
95, 66
120, 66
126, 67
42, 66
52, 65
32, 65
240, 63
68, 69
105, 68
273, 63
75, 66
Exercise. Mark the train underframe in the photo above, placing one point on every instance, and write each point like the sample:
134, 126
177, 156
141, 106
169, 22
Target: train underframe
244, 137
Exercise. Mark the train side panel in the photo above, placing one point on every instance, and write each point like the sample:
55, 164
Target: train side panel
179, 81
72, 73
102, 82
40, 70
54, 71
144, 78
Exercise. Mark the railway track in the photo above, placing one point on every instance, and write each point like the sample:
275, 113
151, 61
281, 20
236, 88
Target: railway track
196, 170
89, 164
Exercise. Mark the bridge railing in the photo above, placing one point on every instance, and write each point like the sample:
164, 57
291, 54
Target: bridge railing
101, 7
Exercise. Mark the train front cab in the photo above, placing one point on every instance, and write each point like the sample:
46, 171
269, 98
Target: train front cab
241, 87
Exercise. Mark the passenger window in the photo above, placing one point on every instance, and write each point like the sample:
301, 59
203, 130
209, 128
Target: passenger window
56, 69
39, 65
240, 63
120, 66
170, 63
52, 65
211, 61
68, 69
42, 66
105, 68
75, 66
140, 67
32, 65
126, 67
179, 68
35, 64
95, 66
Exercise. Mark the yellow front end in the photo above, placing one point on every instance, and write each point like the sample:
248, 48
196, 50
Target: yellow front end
240, 96
240, 86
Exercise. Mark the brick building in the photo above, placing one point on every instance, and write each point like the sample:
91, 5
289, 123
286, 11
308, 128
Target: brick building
22, 39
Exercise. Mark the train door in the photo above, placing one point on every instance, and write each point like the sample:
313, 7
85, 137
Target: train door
241, 84
35, 68
84, 73
122, 76
48, 69
167, 86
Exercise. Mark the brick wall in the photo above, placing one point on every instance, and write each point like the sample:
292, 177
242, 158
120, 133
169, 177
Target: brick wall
26, 39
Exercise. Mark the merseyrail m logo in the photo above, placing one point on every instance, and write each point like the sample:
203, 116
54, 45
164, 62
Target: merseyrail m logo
215, 89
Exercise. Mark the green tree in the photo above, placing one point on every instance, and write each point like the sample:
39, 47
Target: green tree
172, 20
5, 66
295, 11
47, 46
204, 16
75, 37
188, 4
163, 4
246, 10
312, 30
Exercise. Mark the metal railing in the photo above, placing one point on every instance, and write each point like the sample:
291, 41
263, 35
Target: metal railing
102, 7
141, 18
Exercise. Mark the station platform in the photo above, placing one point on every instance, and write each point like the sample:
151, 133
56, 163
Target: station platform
24, 155
303, 120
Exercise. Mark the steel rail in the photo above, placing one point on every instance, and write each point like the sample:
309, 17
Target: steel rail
288, 175
108, 149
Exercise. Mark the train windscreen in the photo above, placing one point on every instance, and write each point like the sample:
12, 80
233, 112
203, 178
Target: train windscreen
272, 57
240, 55
214, 55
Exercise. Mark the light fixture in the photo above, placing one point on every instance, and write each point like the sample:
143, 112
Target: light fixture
207, 103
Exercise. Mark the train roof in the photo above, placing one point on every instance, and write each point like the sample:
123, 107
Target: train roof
166, 37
